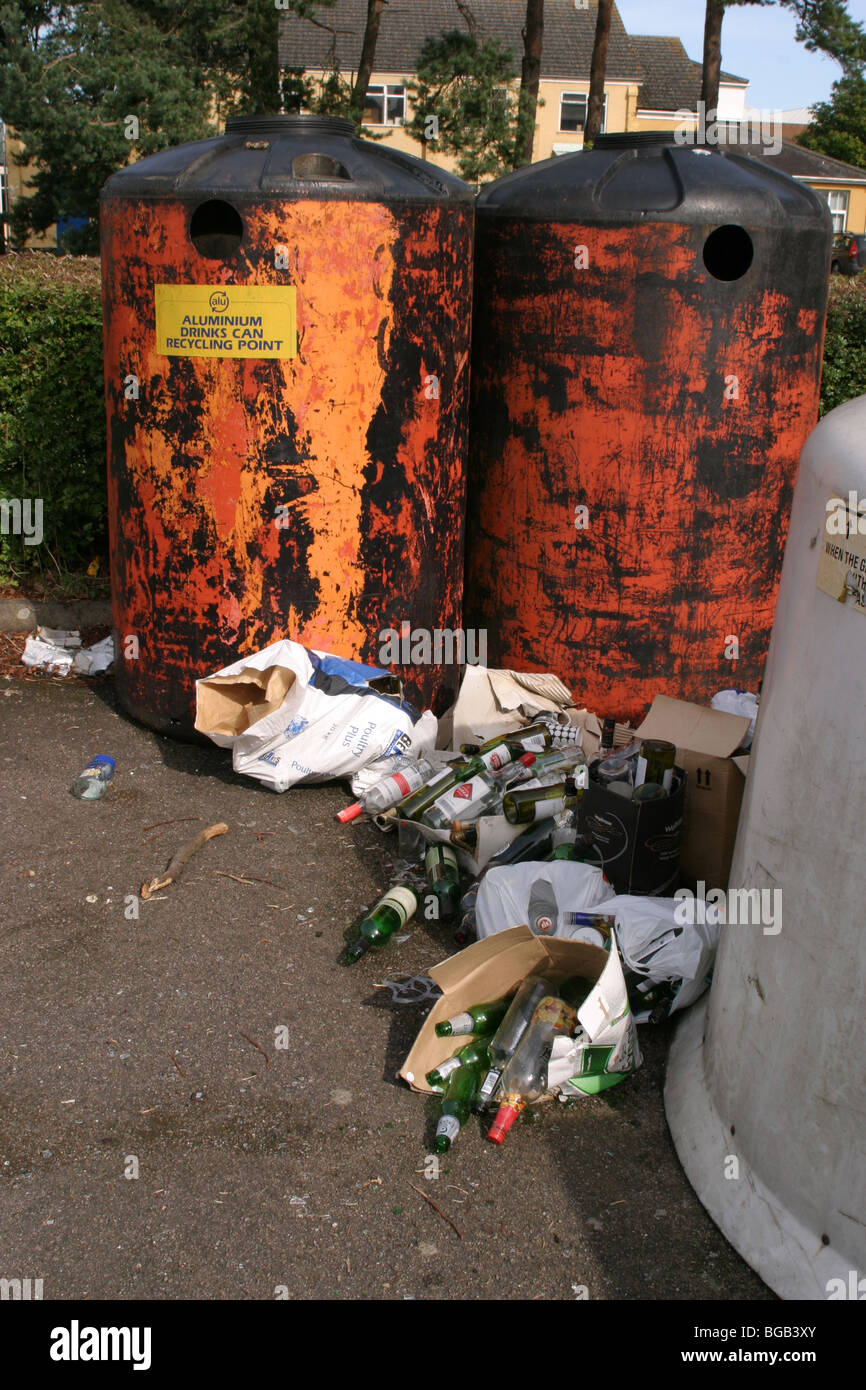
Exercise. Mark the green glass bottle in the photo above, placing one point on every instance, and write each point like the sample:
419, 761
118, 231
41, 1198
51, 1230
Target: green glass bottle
443, 876
655, 763
390, 914
467, 798
471, 1054
481, 1019
648, 791
526, 805
532, 739
456, 1106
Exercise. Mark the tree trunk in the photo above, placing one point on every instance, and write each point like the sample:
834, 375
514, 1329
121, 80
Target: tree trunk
530, 75
263, 66
595, 105
368, 56
712, 58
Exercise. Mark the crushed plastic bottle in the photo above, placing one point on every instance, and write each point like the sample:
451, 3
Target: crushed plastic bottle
93, 781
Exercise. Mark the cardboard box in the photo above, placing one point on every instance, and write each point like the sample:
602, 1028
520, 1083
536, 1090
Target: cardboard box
638, 841
493, 967
705, 740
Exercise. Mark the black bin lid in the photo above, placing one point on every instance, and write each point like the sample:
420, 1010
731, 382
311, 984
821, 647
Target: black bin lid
640, 176
287, 157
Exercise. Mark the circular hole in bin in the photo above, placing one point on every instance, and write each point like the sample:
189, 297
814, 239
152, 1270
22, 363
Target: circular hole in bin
216, 229
728, 252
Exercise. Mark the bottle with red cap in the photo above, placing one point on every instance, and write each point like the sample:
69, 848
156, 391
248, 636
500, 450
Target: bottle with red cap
504, 748
470, 798
406, 778
524, 1078
504, 1042
411, 806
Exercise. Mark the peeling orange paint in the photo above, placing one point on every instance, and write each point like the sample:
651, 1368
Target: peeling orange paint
607, 390
319, 497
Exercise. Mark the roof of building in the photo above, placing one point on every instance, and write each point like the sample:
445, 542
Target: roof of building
800, 163
671, 80
661, 65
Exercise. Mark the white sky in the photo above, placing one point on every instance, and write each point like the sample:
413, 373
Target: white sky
757, 43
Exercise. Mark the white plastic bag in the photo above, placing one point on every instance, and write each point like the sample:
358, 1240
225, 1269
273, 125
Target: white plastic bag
422, 740
293, 716
738, 702
654, 944
504, 896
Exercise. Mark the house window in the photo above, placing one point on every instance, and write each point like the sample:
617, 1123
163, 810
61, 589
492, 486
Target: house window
572, 111
385, 105
838, 200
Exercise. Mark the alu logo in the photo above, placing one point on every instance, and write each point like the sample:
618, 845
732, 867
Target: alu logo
219, 301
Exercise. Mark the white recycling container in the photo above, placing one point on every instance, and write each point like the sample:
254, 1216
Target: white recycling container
766, 1087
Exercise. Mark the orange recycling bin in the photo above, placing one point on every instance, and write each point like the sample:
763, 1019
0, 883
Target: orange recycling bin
287, 317
646, 359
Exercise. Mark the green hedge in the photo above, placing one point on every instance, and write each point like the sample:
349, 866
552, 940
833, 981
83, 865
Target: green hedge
844, 375
52, 411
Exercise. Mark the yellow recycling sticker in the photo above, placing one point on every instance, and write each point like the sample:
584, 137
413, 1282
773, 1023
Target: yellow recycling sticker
226, 320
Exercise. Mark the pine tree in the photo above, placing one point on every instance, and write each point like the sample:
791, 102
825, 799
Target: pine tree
88, 87
461, 104
838, 126
823, 26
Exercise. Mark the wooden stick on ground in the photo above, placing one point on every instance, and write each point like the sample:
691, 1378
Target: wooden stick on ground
176, 867
443, 1214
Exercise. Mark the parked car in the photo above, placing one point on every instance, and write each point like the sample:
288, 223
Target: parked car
848, 254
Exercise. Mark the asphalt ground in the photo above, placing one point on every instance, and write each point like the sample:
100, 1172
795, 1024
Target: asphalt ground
157, 1143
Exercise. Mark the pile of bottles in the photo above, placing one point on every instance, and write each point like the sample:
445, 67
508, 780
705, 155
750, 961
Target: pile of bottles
641, 771
522, 775
502, 1067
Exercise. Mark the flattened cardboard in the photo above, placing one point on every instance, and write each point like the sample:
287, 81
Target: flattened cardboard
485, 971
492, 702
